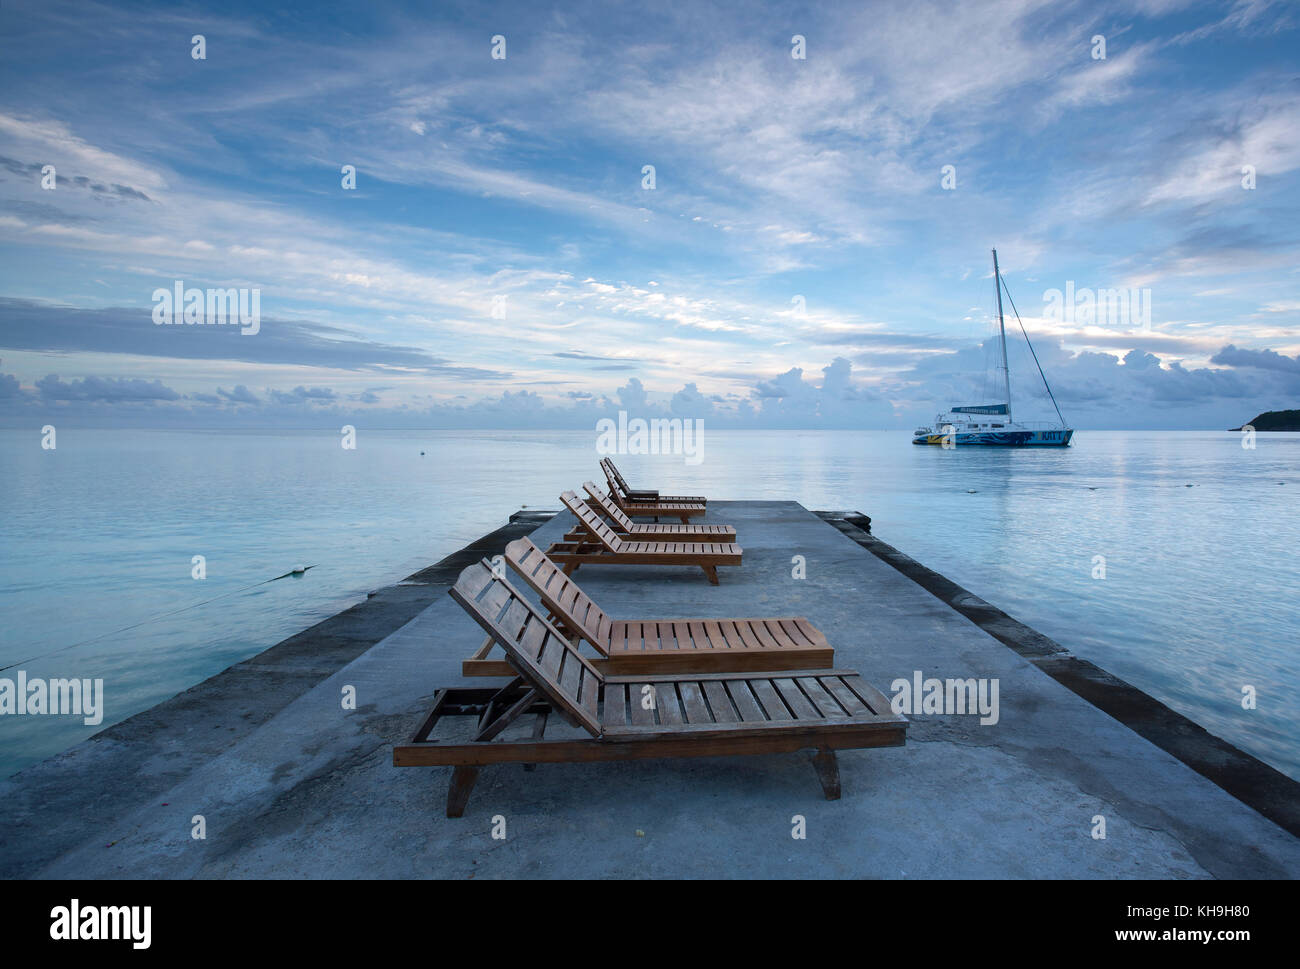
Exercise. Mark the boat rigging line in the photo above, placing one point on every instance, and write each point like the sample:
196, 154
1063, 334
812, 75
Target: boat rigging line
1030, 344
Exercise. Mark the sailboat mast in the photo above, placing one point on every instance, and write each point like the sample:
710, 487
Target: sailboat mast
1002, 330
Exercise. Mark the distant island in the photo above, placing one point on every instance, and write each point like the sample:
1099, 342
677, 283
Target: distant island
1274, 420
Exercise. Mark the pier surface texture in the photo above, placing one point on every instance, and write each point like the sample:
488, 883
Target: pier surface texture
290, 784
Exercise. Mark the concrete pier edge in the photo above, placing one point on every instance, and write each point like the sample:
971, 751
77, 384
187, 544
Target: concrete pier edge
1251, 781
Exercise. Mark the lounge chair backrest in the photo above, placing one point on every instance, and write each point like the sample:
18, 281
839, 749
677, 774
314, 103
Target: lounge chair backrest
594, 524
617, 476
543, 657
617, 486
606, 504
560, 593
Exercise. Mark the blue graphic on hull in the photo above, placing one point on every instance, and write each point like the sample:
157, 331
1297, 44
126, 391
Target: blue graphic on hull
1058, 438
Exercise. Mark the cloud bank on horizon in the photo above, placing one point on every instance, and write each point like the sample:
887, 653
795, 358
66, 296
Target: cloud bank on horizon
503, 216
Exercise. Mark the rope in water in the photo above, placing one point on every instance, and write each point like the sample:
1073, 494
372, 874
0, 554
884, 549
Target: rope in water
145, 622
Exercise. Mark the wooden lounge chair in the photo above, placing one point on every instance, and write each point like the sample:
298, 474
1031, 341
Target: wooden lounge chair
625, 647
629, 717
646, 506
602, 546
628, 529
640, 646
618, 486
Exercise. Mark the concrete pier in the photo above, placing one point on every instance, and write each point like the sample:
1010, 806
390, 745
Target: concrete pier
291, 784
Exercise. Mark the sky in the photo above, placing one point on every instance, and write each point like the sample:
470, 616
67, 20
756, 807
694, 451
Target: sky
811, 248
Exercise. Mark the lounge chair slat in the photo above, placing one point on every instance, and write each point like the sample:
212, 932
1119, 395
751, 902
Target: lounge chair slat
808, 631
699, 634
472, 585
796, 701
494, 599
788, 631
848, 699
618, 641
745, 628
513, 621
668, 707
719, 702
763, 633
614, 711
682, 635
818, 697
744, 701
551, 659
717, 638
637, 703
660, 637
873, 699
697, 711
590, 690
771, 701
570, 673
731, 634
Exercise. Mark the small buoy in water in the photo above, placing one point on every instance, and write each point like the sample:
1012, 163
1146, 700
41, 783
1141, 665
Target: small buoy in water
1189, 486
1090, 488
299, 569
970, 491
421, 454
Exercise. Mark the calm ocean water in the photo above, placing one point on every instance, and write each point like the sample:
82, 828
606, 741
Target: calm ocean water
1201, 594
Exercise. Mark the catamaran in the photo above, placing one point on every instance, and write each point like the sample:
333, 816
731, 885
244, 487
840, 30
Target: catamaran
991, 424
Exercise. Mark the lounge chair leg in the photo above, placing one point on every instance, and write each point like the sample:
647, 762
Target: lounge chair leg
686, 519
712, 572
828, 772
570, 568
539, 728
462, 782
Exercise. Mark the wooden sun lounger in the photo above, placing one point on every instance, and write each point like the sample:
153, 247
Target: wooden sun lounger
630, 530
631, 717
643, 646
602, 546
625, 647
649, 504
618, 486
